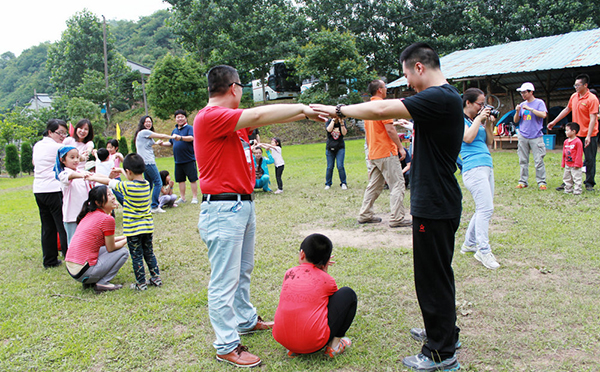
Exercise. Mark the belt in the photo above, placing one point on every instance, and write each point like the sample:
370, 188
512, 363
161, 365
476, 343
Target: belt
225, 197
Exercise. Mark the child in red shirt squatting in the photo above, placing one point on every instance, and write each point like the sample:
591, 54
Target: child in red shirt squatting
572, 160
312, 312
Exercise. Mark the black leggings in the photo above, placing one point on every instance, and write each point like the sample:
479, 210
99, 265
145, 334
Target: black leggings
341, 310
278, 173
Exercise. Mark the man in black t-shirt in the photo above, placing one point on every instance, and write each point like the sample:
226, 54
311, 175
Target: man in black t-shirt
435, 196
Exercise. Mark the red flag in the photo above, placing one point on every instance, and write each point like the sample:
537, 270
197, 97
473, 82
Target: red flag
71, 130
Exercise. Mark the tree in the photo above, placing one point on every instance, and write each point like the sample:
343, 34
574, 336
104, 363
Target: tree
123, 148
176, 83
79, 108
26, 158
246, 34
333, 59
12, 160
15, 127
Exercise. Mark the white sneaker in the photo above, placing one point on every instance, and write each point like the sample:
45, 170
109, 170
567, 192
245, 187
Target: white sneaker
487, 259
180, 201
344, 187
327, 187
194, 201
157, 210
278, 191
468, 248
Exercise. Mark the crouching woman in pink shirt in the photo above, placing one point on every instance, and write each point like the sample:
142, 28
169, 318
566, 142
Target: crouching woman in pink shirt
95, 254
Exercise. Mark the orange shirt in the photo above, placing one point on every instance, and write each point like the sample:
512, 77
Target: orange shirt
379, 142
581, 108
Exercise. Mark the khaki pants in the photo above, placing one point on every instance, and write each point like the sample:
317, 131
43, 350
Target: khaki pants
384, 170
572, 179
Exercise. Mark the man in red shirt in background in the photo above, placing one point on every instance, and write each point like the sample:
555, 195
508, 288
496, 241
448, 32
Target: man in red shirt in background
584, 106
227, 220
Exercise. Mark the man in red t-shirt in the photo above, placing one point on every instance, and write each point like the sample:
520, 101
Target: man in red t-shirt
227, 221
584, 106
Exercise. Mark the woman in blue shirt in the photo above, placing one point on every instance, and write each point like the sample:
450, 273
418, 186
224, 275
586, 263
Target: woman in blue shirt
478, 174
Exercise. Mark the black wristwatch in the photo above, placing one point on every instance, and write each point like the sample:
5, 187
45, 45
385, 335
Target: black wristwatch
338, 111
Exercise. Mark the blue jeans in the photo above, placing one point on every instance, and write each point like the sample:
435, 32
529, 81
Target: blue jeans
153, 176
338, 157
480, 183
228, 229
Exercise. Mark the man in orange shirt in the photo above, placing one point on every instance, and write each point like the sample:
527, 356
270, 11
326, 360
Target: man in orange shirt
584, 106
383, 144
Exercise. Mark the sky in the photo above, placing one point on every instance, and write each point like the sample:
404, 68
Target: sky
26, 23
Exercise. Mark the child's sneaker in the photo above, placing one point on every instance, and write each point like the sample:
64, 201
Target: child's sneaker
139, 287
340, 348
155, 281
291, 354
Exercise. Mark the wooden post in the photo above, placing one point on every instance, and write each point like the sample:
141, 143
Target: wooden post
106, 71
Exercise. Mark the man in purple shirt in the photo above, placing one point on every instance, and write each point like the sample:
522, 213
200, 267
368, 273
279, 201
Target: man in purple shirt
530, 115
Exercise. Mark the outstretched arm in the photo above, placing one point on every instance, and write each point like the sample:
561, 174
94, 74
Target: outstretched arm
372, 110
272, 114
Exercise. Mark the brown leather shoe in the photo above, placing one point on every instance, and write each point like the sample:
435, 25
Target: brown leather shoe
261, 325
240, 357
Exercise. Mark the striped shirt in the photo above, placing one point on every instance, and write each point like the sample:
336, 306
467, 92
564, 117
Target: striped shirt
137, 218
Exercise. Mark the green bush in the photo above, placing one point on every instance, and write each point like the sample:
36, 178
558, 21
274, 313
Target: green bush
99, 141
12, 160
26, 158
123, 148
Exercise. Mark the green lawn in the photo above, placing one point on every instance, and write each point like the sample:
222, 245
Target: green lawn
537, 312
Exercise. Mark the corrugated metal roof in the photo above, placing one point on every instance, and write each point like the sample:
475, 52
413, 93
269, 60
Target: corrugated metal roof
575, 49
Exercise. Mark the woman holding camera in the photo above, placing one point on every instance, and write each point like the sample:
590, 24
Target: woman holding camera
478, 174
335, 151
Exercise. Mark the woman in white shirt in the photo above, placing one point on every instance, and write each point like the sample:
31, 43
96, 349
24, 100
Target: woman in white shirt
48, 194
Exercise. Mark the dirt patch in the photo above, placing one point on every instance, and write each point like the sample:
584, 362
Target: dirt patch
369, 239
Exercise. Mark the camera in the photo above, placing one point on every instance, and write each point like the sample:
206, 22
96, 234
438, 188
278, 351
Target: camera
493, 112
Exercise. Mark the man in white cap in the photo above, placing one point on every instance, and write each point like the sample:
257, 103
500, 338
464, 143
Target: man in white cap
530, 115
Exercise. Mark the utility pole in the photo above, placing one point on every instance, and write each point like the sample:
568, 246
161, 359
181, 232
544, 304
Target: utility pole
106, 72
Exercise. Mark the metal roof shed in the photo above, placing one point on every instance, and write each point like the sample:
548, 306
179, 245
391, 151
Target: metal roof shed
551, 63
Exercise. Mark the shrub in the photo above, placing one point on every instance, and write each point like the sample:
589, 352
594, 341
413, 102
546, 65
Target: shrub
123, 148
26, 158
12, 160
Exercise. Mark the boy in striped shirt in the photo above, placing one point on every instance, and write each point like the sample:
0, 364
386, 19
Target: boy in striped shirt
138, 225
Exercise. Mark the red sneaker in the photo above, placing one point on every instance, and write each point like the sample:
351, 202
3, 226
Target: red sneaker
240, 357
340, 348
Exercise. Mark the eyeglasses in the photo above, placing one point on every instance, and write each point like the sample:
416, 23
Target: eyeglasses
480, 103
236, 83
577, 86
62, 133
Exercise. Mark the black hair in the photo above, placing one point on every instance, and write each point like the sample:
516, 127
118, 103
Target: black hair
420, 52
134, 163
585, 78
317, 248
220, 79
141, 127
97, 197
277, 141
90, 135
53, 125
180, 112
114, 143
471, 95
163, 176
102, 154
374, 86
594, 92
573, 126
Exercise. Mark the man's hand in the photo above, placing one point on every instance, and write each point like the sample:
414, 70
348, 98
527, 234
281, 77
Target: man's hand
323, 111
551, 124
587, 141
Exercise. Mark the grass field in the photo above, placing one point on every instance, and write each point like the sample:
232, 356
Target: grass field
537, 312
